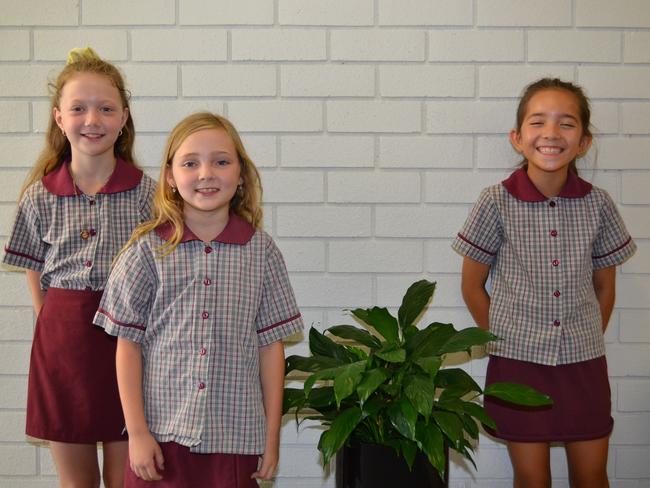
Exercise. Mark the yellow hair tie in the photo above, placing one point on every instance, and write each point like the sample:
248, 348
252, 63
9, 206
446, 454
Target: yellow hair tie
81, 54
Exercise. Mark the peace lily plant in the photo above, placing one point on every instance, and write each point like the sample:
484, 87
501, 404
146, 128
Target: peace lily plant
389, 388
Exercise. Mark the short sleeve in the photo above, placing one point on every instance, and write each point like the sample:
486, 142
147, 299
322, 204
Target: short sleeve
25, 247
613, 244
128, 297
278, 315
482, 234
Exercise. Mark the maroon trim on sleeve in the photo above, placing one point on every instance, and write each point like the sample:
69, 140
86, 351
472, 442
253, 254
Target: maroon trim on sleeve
16, 253
278, 324
115, 321
615, 250
463, 238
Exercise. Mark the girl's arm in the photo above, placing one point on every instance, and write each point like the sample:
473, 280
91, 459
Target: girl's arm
605, 287
272, 378
144, 452
474, 276
34, 285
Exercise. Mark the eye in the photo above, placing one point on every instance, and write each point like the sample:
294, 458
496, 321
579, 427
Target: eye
189, 163
76, 108
107, 109
568, 125
223, 162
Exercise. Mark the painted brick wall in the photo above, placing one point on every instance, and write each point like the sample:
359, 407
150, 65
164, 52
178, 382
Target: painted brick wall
375, 123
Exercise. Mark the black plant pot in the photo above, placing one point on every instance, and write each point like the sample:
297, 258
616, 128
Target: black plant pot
374, 466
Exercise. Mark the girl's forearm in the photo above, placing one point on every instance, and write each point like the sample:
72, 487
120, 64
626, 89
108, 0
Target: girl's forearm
272, 380
34, 285
128, 364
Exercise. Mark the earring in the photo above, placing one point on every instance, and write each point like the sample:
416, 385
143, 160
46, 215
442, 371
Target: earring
174, 189
120, 133
62, 132
240, 190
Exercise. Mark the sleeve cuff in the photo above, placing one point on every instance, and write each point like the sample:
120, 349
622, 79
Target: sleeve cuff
278, 331
465, 247
616, 256
22, 260
132, 332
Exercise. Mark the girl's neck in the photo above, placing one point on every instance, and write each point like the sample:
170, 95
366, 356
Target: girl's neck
91, 174
206, 225
549, 184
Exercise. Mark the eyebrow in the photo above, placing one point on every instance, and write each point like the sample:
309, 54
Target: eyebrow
212, 154
562, 116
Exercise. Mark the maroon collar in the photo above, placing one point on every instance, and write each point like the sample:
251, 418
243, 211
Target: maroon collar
124, 177
237, 231
519, 186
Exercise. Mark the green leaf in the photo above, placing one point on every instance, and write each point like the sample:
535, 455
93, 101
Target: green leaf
320, 398
347, 379
431, 442
381, 320
371, 380
452, 395
292, 398
409, 451
517, 394
451, 425
320, 345
430, 365
403, 416
420, 391
332, 439
355, 334
479, 413
469, 424
324, 374
415, 300
372, 407
463, 340
311, 364
456, 378
428, 341
391, 353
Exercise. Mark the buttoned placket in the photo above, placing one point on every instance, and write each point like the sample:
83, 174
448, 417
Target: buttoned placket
554, 262
91, 208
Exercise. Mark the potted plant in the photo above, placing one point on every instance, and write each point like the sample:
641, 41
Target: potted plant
388, 390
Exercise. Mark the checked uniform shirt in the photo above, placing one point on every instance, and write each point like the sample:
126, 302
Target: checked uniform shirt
200, 314
542, 252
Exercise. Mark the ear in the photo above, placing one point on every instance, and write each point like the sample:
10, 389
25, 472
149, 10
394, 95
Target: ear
125, 116
56, 113
585, 144
169, 177
515, 140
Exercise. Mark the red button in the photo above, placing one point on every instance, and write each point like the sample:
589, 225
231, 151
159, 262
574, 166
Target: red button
552, 204
556, 293
201, 386
556, 262
205, 315
208, 250
92, 232
88, 264
88, 288
91, 202
556, 323
207, 282
553, 233
202, 351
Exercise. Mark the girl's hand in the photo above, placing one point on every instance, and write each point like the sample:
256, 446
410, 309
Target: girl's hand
269, 463
145, 457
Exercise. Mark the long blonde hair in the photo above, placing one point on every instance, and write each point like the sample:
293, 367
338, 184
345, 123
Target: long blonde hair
57, 147
168, 205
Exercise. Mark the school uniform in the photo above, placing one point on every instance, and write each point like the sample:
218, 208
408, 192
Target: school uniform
72, 393
542, 252
200, 314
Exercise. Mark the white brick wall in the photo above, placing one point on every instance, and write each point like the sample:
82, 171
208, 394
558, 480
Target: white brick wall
375, 123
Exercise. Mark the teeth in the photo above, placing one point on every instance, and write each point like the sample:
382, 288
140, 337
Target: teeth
206, 190
549, 150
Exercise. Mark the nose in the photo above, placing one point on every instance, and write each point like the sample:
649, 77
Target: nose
91, 117
551, 130
205, 172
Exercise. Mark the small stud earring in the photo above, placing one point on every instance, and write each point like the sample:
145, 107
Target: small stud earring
120, 133
173, 189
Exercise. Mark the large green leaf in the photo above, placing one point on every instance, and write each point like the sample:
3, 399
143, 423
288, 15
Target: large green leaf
431, 442
391, 353
347, 379
381, 320
420, 391
428, 341
311, 364
324, 374
321, 345
456, 378
479, 413
332, 439
355, 334
409, 451
463, 340
517, 394
371, 380
403, 416
470, 426
451, 425
430, 365
415, 300
320, 398
292, 398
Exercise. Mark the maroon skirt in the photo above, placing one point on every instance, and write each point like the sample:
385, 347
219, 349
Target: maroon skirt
581, 396
72, 395
185, 469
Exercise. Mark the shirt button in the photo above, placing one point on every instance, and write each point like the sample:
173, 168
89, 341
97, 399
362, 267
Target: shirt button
556, 323
91, 202
88, 288
555, 262
553, 233
202, 351
207, 282
552, 204
88, 264
92, 232
201, 386
556, 293
205, 315
208, 249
